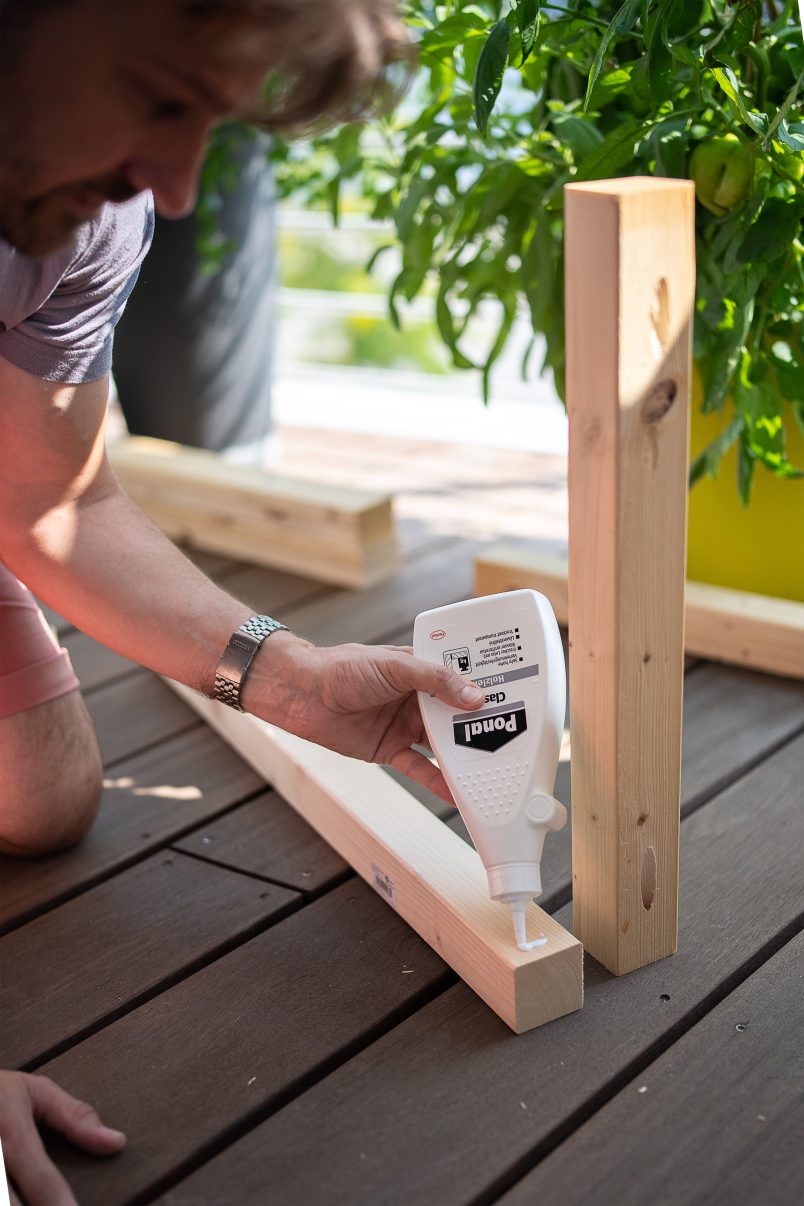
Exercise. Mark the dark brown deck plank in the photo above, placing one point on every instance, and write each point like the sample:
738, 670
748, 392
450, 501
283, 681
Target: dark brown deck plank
135, 712
732, 719
94, 664
228, 1041
268, 839
367, 616
147, 801
451, 1108
88, 960
268, 590
718, 1118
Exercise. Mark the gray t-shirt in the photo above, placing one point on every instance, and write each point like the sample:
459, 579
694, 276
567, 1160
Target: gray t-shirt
58, 314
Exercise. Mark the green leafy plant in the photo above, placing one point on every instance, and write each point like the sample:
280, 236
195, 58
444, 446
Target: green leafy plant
513, 100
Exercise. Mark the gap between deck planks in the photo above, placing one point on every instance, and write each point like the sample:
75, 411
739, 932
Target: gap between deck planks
719, 1118
739, 688
399, 1114
346, 959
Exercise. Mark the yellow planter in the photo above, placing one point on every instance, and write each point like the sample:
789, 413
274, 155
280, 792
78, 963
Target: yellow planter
758, 549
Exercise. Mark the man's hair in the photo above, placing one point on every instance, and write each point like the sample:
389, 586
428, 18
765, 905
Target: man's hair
331, 60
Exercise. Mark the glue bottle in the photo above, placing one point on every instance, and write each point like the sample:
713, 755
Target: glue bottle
500, 761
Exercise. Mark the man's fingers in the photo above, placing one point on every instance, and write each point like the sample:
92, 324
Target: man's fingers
74, 1119
31, 1169
444, 684
413, 764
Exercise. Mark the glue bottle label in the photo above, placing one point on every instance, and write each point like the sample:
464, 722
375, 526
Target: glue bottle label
490, 728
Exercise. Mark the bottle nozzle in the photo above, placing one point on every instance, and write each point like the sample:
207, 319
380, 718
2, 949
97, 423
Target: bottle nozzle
517, 908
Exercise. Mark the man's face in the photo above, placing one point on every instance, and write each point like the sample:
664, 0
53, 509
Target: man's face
101, 100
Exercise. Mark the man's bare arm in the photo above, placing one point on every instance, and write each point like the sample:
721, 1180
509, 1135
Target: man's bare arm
71, 534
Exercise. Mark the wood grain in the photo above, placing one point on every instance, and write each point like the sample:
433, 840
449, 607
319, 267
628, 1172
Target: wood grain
718, 1118
756, 631
630, 293
133, 713
90, 959
330, 533
441, 576
242, 1034
267, 838
147, 801
419, 866
449, 1108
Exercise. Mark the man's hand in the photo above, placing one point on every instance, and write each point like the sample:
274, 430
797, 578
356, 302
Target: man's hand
27, 1100
357, 699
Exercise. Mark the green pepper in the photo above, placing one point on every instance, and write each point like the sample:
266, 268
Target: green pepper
722, 169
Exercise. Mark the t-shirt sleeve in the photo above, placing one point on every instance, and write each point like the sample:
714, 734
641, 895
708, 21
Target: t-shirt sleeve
69, 338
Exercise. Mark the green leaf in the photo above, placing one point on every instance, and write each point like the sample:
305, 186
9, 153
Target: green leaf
741, 30
509, 314
745, 472
616, 150
708, 462
489, 73
728, 82
446, 327
579, 134
772, 233
610, 86
781, 115
528, 16
790, 139
790, 377
623, 22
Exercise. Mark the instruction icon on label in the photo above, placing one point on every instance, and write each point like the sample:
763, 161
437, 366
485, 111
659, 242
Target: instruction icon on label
459, 660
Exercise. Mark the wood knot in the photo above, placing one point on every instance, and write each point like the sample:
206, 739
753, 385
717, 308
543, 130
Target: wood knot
659, 400
592, 433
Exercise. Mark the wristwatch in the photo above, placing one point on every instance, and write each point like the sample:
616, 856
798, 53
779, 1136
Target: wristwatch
238, 656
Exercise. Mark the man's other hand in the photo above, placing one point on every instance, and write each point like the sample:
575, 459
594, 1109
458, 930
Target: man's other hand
25, 1102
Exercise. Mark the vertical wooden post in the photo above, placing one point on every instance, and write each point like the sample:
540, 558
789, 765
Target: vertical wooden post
630, 290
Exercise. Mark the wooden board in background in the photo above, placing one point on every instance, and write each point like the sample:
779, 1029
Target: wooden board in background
755, 631
330, 533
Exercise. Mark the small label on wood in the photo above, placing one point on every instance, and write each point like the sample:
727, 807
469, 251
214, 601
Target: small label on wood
383, 883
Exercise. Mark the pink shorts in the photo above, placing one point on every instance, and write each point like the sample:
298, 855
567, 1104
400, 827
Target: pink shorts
33, 668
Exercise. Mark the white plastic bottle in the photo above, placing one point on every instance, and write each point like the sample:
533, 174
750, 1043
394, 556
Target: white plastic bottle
500, 762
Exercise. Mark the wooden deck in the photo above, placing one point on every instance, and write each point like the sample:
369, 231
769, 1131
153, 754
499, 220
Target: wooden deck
266, 1030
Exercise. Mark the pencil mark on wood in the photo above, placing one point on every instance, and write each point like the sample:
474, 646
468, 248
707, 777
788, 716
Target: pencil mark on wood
648, 877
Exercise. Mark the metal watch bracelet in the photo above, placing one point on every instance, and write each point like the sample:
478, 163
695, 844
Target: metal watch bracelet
234, 666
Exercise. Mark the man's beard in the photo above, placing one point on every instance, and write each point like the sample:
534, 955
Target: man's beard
47, 224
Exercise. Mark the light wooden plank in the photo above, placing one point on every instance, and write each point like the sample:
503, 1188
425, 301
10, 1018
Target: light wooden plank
630, 293
423, 869
473, 1108
755, 631
332, 533
114, 945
